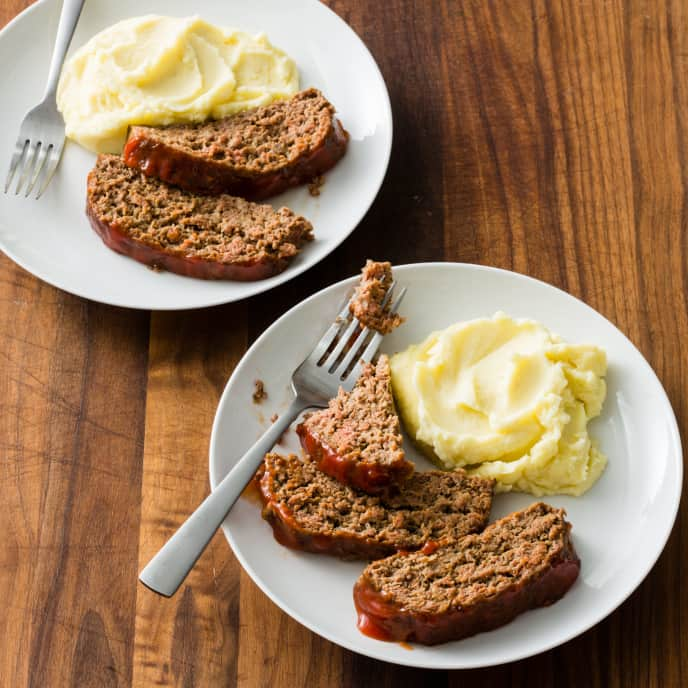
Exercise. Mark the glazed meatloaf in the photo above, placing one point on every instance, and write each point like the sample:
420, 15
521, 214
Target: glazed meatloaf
220, 237
357, 438
311, 511
367, 303
520, 562
254, 154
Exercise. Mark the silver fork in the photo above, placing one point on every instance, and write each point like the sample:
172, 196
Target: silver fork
42, 132
329, 366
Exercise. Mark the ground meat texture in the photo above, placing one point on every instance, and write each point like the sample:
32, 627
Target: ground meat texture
357, 438
254, 154
476, 584
366, 304
308, 510
219, 237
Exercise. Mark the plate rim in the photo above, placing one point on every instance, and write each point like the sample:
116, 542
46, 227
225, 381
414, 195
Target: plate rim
261, 286
567, 636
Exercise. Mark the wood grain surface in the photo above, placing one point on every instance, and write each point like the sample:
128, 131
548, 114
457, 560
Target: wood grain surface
547, 137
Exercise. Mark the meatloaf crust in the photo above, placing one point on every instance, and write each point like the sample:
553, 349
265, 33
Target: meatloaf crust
523, 561
220, 237
357, 438
310, 511
254, 154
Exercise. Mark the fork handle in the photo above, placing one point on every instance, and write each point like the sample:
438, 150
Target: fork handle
169, 567
69, 17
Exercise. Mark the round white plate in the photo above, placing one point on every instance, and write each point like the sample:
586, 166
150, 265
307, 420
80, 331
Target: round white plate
619, 527
51, 237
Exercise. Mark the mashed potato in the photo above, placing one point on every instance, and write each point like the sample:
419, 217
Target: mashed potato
161, 70
505, 399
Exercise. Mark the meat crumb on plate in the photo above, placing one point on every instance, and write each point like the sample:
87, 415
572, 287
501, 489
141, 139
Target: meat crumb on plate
259, 393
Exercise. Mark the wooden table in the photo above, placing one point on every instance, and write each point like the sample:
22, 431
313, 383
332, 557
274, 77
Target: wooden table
547, 137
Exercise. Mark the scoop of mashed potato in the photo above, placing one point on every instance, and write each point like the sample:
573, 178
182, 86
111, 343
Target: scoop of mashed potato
505, 399
161, 70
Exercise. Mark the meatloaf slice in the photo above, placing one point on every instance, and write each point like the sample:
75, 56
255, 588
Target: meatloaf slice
220, 237
357, 438
520, 562
367, 303
308, 510
254, 154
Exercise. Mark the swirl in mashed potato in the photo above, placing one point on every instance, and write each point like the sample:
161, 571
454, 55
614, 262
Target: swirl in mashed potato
505, 399
161, 70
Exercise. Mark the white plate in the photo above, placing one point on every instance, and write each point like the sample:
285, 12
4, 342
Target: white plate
51, 237
619, 527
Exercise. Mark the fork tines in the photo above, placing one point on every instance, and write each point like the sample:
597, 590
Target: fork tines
346, 346
29, 159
